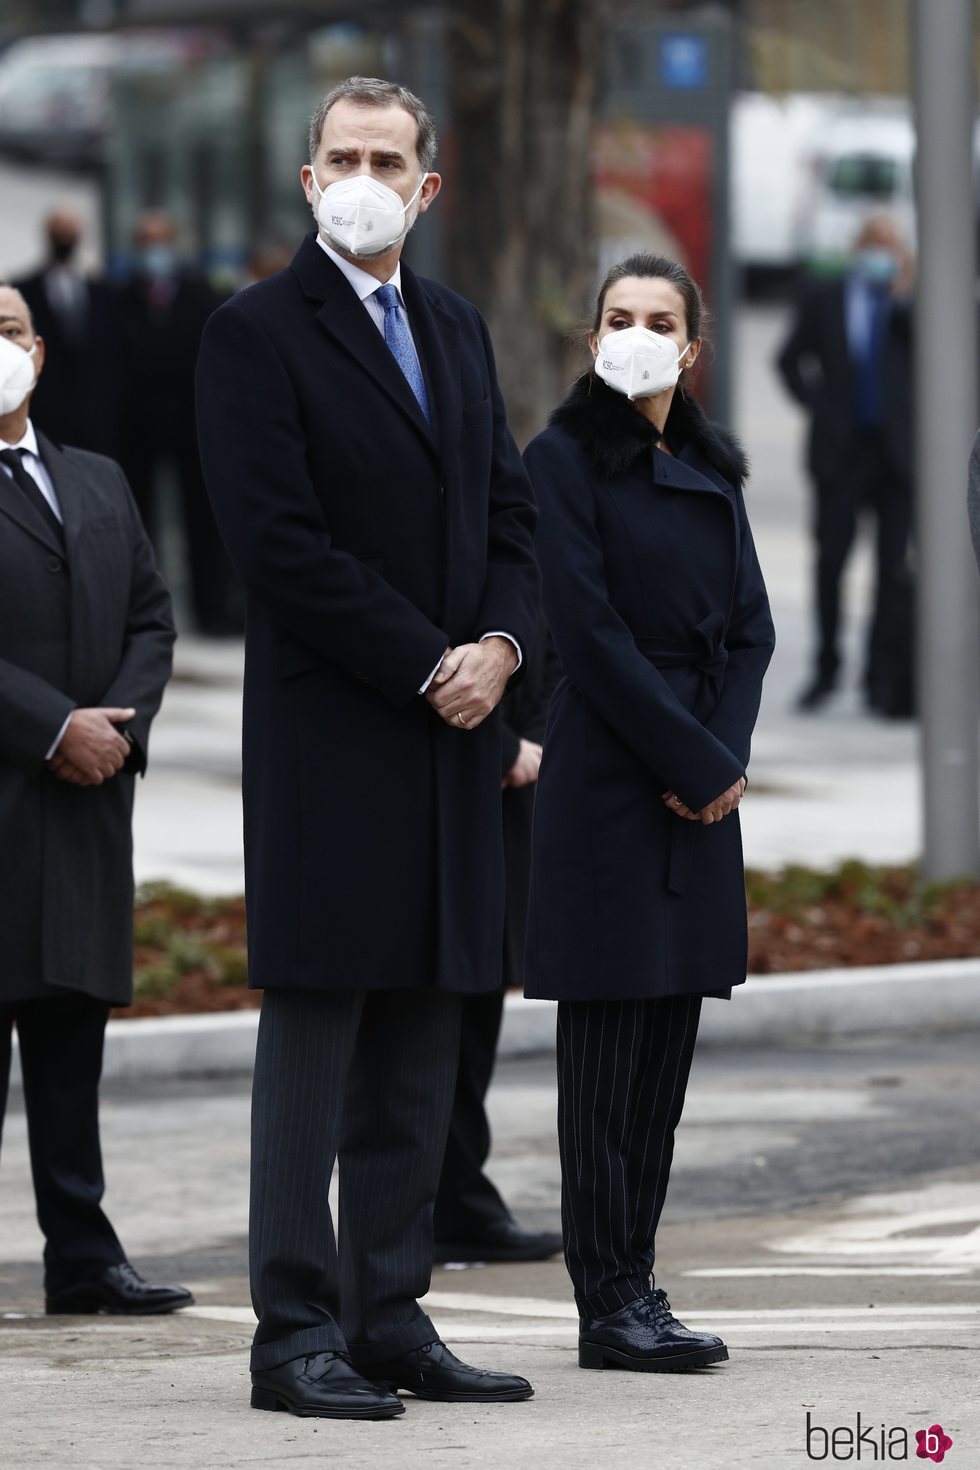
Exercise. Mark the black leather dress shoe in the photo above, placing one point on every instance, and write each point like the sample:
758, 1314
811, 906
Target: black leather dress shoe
647, 1337
322, 1386
433, 1372
121, 1291
503, 1242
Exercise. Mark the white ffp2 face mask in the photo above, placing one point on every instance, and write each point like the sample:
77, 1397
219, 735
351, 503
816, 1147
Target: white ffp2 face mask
17, 375
639, 362
362, 216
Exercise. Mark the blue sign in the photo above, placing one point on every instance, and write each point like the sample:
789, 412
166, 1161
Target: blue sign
684, 62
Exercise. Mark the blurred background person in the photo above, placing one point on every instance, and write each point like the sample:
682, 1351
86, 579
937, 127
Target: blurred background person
77, 401
472, 1222
848, 361
163, 307
86, 635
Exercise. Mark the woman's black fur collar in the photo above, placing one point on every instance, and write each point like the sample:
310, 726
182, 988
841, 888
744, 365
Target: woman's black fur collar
615, 435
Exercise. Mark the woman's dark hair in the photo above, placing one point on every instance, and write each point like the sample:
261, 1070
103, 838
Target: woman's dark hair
643, 265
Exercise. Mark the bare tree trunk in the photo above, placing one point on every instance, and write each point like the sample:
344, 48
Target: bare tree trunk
522, 86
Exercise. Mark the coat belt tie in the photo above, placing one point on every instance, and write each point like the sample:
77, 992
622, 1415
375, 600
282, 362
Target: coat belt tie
708, 655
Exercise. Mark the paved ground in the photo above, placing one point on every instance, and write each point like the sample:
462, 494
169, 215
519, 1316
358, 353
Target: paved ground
824, 1216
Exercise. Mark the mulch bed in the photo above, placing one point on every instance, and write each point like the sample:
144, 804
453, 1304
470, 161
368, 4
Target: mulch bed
190, 951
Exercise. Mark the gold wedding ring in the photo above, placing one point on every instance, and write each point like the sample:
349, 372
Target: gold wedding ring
459, 716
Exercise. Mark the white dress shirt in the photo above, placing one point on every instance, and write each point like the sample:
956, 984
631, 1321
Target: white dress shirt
366, 287
34, 466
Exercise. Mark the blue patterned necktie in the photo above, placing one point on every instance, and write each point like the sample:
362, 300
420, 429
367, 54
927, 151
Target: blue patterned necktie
401, 344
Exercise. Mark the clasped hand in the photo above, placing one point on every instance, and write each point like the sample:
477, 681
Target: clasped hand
471, 682
714, 811
91, 750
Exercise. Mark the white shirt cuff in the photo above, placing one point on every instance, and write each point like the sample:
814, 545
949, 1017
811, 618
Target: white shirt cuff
432, 675
494, 634
499, 633
58, 739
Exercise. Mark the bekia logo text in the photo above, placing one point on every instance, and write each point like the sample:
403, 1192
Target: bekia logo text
870, 1442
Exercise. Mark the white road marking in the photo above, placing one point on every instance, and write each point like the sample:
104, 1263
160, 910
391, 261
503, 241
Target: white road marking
869, 1270
906, 1224
557, 1320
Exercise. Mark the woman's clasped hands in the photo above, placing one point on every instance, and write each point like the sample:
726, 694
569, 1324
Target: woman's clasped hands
714, 811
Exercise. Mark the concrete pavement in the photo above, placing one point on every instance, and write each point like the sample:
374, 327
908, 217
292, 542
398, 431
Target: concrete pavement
824, 1216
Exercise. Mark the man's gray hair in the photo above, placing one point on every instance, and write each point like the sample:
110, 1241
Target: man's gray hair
372, 92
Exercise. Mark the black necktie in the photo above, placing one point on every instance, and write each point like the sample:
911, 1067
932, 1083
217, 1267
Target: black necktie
12, 459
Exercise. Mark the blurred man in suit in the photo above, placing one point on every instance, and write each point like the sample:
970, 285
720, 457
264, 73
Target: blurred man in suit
472, 1221
357, 452
85, 654
848, 362
78, 400
164, 306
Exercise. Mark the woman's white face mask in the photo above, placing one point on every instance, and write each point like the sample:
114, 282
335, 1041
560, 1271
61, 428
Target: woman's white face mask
363, 217
18, 374
638, 362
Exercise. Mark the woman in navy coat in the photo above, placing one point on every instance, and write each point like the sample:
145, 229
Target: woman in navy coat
656, 603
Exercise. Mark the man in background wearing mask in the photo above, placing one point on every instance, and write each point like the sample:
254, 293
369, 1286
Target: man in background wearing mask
357, 454
78, 400
85, 652
164, 306
848, 361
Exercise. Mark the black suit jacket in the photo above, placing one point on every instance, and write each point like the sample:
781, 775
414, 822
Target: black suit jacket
78, 397
367, 543
816, 366
159, 347
84, 623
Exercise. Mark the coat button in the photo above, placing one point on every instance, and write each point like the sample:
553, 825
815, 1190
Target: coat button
55, 564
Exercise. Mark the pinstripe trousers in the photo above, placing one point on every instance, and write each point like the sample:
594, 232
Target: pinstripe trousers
622, 1075
366, 1078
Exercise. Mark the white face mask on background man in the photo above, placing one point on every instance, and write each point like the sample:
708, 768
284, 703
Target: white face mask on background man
363, 217
639, 362
18, 375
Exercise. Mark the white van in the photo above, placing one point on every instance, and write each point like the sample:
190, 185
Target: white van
861, 165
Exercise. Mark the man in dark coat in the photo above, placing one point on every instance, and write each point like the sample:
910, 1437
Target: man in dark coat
85, 654
163, 308
472, 1221
848, 361
356, 450
78, 400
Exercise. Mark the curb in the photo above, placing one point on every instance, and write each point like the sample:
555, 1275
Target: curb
818, 1006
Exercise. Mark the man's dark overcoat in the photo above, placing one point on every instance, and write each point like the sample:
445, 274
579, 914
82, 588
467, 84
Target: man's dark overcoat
657, 606
83, 622
368, 542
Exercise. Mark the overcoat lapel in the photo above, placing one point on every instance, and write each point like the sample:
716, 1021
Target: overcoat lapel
68, 487
437, 334
345, 320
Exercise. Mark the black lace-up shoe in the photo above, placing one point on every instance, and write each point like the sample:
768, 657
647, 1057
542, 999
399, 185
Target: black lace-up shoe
646, 1337
433, 1372
120, 1291
322, 1386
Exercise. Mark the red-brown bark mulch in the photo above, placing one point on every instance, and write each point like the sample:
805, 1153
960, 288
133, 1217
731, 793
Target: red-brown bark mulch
190, 951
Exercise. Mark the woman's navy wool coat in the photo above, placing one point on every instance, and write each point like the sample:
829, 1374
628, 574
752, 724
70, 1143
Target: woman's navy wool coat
654, 596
